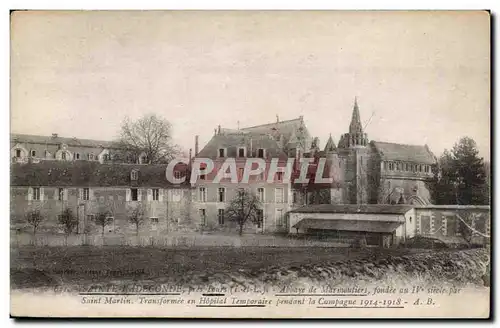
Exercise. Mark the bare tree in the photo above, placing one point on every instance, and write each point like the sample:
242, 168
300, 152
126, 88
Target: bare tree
136, 217
243, 208
149, 136
34, 218
103, 217
68, 221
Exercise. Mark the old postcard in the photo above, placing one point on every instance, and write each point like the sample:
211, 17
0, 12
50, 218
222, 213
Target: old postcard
250, 164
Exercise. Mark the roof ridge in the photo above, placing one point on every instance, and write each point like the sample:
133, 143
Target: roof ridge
259, 125
58, 137
397, 143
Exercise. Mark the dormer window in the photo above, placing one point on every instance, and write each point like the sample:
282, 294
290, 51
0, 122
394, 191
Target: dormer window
18, 153
33, 153
77, 155
261, 152
134, 174
91, 157
222, 152
63, 156
241, 151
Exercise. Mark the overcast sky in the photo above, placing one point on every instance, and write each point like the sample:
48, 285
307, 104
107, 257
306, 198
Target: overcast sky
423, 78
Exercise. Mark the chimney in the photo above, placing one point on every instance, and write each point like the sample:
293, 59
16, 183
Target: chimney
196, 146
218, 131
54, 135
190, 154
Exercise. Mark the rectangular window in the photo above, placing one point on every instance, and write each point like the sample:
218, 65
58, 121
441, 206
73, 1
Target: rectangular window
222, 152
398, 167
154, 220
202, 194
77, 155
134, 194
63, 156
36, 193
294, 195
279, 176
260, 218
33, 153
260, 152
279, 217
18, 153
86, 193
222, 195
203, 218
278, 195
220, 216
260, 194
241, 152
156, 194
60, 194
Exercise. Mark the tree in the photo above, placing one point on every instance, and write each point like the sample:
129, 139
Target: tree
149, 137
136, 217
243, 208
460, 177
34, 218
68, 221
102, 218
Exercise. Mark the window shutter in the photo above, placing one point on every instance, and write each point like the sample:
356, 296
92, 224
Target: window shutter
91, 194
65, 194
30, 193
160, 195
56, 194
127, 195
139, 195
41, 193
80, 193
150, 195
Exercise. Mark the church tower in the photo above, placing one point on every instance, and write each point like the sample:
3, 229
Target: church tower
353, 149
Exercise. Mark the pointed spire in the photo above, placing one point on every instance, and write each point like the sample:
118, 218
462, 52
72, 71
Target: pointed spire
330, 145
355, 126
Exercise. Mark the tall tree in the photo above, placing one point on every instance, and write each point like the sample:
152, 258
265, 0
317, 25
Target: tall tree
460, 177
149, 137
243, 208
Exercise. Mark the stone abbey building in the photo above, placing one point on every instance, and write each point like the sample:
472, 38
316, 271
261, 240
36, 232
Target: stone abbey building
54, 173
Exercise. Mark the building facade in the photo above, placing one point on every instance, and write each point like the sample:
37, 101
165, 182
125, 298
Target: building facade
362, 172
90, 188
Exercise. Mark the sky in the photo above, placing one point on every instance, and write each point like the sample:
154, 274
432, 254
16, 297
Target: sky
419, 77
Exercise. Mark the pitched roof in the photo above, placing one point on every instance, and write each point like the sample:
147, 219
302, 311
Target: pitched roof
231, 141
354, 208
403, 152
330, 145
84, 173
347, 225
28, 138
289, 129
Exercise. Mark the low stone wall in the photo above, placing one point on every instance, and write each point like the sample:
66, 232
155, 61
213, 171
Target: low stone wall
177, 240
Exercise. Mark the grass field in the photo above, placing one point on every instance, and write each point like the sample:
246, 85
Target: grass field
50, 266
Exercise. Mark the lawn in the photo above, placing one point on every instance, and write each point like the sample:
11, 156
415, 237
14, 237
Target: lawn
50, 266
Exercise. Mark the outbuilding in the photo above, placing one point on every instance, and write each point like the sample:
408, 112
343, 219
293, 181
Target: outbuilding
379, 225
